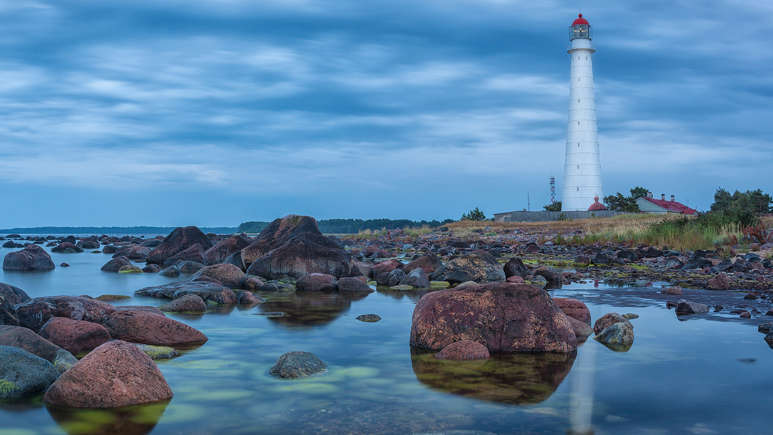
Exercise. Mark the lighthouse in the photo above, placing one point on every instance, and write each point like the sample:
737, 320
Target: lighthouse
582, 170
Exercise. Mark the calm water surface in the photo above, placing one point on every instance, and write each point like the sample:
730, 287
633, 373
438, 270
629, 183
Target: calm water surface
698, 376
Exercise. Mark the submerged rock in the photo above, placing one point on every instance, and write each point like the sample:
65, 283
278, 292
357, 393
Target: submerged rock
158, 352
23, 374
505, 317
617, 336
297, 365
371, 318
150, 328
31, 258
684, 308
76, 336
113, 375
353, 285
464, 350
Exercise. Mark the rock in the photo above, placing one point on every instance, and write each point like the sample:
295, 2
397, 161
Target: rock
606, 320
224, 248
380, 271
427, 263
676, 291
88, 244
504, 317
417, 278
226, 274
751, 296
207, 290
129, 269
31, 258
178, 241
769, 340
35, 313
630, 316
10, 296
402, 287
478, 266
158, 352
720, 281
75, 336
109, 249
26, 339
12, 244
581, 329
171, 272
152, 268
23, 374
351, 284
112, 298
66, 248
293, 246
686, 307
190, 303
189, 267
369, 318
764, 327
617, 336
582, 261
395, 277
573, 308
531, 248
315, 282
137, 252
64, 265
297, 365
143, 327
113, 375
247, 298
515, 267
745, 315
464, 350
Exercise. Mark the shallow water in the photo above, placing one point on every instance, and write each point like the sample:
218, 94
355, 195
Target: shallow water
697, 376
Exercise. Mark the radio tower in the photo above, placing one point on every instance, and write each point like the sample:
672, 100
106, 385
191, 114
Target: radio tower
552, 190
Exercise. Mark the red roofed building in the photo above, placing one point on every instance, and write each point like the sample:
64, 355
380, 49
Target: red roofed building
648, 204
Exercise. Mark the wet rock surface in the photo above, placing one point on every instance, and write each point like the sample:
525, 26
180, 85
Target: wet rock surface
23, 374
75, 336
464, 350
294, 365
138, 326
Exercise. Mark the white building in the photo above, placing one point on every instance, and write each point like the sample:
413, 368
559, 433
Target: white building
582, 172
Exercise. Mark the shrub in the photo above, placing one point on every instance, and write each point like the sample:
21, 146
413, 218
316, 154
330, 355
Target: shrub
474, 215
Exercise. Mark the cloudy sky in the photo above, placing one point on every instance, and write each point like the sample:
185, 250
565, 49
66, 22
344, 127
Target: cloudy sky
212, 112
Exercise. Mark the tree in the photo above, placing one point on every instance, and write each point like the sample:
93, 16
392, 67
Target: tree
740, 207
618, 202
474, 215
556, 206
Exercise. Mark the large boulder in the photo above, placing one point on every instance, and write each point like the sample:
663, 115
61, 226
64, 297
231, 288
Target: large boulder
177, 241
9, 297
115, 374
380, 271
224, 248
504, 317
428, 263
116, 264
35, 313
26, 339
293, 246
226, 274
66, 247
139, 326
207, 290
417, 278
76, 336
573, 308
31, 258
189, 303
23, 374
478, 266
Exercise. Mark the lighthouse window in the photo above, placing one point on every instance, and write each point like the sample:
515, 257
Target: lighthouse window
578, 122
578, 166
578, 188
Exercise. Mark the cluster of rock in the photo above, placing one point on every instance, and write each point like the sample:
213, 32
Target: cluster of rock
41, 337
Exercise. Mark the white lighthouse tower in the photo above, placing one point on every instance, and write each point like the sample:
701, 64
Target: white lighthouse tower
582, 173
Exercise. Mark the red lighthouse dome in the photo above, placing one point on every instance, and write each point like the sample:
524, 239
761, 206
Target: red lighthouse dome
596, 206
580, 20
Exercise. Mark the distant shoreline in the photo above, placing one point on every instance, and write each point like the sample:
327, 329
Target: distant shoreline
109, 230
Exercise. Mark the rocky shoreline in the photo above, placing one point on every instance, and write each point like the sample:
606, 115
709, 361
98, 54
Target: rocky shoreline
483, 292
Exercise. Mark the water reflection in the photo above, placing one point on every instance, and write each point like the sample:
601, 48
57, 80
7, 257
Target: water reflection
132, 420
517, 379
309, 309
